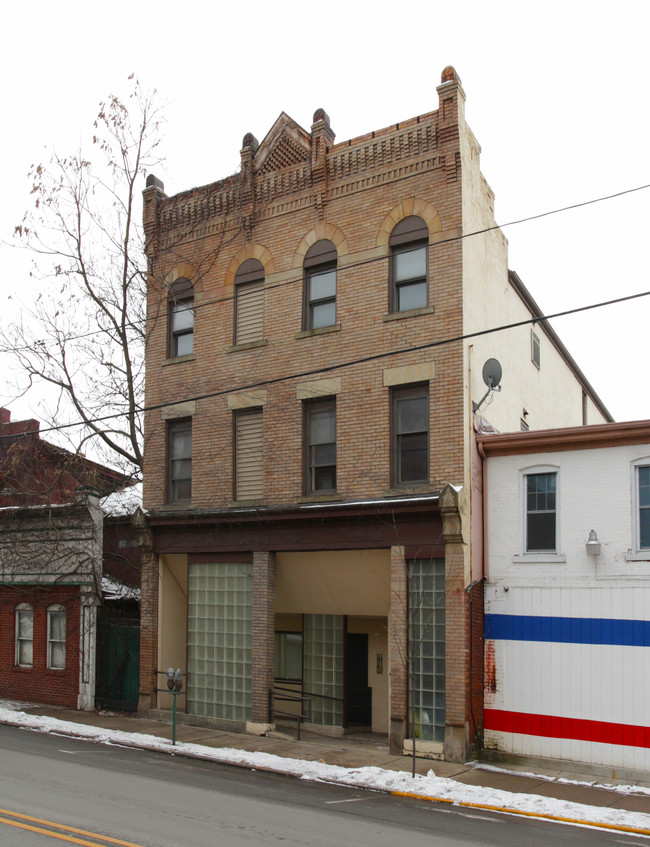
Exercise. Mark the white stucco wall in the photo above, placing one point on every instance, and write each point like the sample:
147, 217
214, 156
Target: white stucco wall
550, 394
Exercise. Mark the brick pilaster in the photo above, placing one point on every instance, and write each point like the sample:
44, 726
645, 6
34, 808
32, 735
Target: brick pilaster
263, 633
397, 646
148, 617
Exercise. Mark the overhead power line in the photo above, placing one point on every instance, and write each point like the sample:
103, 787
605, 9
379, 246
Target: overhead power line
350, 363
299, 277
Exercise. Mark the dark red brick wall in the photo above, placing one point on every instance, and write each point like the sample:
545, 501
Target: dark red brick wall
38, 684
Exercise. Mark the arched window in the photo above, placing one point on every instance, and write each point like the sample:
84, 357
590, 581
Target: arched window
320, 286
56, 636
409, 279
24, 635
180, 304
249, 302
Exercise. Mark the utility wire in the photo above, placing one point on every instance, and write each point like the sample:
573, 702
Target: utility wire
299, 278
350, 363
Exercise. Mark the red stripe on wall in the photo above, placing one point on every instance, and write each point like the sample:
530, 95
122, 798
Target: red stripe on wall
550, 726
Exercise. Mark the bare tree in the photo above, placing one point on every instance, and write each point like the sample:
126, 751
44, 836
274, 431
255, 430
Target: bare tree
84, 337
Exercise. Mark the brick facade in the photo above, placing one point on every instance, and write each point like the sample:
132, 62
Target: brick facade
38, 683
295, 189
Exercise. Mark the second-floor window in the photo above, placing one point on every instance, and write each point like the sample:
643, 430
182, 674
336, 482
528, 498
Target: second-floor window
180, 302
643, 505
541, 512
320, 446
319, 308
179, 470
410, 427
249, 454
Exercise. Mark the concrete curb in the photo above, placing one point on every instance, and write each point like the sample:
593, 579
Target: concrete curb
185, 754
541, 815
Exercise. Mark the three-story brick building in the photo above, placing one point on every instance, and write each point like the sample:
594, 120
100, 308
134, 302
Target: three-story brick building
311, 371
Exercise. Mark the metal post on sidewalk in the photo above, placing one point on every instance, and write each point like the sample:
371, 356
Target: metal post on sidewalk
174, 683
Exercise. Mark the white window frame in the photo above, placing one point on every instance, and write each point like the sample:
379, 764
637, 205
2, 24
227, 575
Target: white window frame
542, 556
637, 553
22, 608
55, 609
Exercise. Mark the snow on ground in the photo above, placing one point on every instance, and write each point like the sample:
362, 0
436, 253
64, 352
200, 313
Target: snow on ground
378, 779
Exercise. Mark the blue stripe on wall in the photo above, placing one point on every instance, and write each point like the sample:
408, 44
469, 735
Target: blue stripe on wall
568, 630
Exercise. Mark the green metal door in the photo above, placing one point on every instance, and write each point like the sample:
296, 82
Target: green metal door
118, 664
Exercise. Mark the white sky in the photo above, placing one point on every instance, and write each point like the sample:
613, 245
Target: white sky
429, 786
557, 95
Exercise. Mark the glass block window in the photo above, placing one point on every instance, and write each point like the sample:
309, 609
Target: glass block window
427, 647
323, 667
219, 640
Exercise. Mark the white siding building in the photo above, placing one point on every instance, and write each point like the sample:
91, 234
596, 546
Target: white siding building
567, 620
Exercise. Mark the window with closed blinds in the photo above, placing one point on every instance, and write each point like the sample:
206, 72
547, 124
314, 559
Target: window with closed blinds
249, 302
249, 455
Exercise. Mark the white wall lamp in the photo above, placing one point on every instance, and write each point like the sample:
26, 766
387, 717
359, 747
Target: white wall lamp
593, 544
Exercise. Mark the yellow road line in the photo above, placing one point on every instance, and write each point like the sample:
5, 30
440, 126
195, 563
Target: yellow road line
544, 815
102, 838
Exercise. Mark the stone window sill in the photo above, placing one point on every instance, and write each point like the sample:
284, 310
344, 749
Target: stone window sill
322, 330
409, 313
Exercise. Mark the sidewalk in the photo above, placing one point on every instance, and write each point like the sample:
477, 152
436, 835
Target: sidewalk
367, 753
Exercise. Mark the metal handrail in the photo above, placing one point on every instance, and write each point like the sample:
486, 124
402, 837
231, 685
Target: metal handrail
291, 696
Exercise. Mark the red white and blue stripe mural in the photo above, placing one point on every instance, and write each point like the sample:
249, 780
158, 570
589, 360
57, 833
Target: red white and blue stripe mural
569, 686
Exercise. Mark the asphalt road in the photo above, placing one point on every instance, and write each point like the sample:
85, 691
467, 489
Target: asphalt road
54, 788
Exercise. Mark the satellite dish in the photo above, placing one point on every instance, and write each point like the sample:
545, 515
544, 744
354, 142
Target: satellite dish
492, 373
492, 378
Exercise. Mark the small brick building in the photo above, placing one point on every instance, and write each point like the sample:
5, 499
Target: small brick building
51, 549
313, 360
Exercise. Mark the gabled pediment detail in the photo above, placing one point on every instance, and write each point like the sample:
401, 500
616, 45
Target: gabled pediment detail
286, 144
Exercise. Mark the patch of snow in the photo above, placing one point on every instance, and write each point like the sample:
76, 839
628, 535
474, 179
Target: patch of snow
373, 778
114, 590
123, 502
562, 780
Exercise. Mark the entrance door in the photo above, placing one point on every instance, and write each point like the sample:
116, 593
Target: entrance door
358, 696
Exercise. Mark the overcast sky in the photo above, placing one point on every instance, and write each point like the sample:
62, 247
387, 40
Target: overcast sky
557, 96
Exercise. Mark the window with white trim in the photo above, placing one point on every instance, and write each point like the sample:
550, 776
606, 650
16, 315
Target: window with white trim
24, 635
541, 512
642, 507
56, 637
